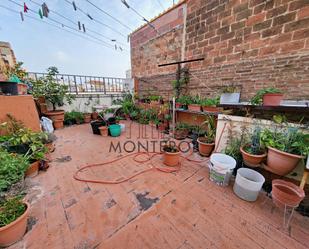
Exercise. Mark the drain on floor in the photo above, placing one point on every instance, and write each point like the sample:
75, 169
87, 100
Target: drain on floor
63, 159
144, 202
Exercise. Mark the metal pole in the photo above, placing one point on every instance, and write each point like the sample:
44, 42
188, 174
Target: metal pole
173, 116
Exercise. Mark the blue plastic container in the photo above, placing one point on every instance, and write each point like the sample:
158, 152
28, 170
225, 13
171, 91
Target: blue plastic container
115, 130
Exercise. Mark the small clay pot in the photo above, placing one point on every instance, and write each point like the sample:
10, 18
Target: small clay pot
58, 124
281, 163
205, 149
50, 147
286, 193
178, 105
14, 231
272, 99
194, 107
171, 159
33, 169
87, 117
103, 131
252, 160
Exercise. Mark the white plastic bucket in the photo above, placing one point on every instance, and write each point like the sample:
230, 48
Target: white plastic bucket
221, 168
248, 184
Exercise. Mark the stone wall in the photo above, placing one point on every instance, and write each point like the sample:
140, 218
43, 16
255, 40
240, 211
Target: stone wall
252, 44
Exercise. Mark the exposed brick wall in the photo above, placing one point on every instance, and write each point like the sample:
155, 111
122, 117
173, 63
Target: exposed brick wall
251, 43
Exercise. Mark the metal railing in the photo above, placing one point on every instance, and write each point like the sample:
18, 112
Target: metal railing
82, 84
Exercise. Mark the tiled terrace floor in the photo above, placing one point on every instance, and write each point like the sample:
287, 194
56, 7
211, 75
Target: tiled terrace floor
153, 210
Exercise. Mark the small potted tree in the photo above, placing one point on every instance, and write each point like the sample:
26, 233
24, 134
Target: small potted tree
253, 153
229, 95
206, 143
171, 155
54, 93
268, 97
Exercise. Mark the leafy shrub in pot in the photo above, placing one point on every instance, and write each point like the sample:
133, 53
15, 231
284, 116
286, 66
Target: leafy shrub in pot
210, 104
206, 143
286, 147
194, 104
268, 97
171, 155
13, 220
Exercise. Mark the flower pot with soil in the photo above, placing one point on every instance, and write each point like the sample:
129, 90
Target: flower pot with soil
210, 104
253, 153
194, 104
103, 131
55, 115
181, 131
171, 155
286, 147
58, 124
87, 117
33, 169
206, 144
286, 193
268, 97
13, 220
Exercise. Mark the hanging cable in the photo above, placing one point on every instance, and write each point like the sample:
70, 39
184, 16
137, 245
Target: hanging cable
79, 24
69, 27
159, 2
106, 13
53, 25
95, 20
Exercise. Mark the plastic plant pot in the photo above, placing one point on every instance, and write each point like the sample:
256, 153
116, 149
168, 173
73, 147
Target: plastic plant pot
33, 169
171, 159
115, 130
205, 149
95, 126
248, 184
272, 99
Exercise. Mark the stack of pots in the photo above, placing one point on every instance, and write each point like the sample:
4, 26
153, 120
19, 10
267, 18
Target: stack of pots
57, 117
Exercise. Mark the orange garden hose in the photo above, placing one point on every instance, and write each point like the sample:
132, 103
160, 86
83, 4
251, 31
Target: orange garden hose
135, 156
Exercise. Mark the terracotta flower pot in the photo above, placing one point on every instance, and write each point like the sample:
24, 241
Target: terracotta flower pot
252, 160
41, 100
205, 149
194, 108
87, 117
286, 193
33, 169
58, 124
178, 105
103, 131
22, 88
14, 231
161, 127
281, 163
55, 115
94, 115
180, 134
210, 109
272, 99
43, 108
171, 159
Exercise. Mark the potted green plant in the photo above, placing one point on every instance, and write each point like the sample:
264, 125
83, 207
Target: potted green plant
268, 97
210, 104
206, 143
54, 93
286, 147
13, 220
154, 99
195, 104
229, 95
183, 102
181, 131
171, 155
253, 153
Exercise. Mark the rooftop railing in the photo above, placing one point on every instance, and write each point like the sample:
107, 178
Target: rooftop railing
82, 84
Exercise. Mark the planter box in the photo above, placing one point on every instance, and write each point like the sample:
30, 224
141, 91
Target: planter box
229, 98
9, 88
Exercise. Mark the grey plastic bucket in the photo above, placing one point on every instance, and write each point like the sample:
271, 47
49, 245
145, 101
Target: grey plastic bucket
248, 184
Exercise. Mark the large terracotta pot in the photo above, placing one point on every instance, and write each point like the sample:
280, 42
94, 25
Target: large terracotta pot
33, 169
55, 115
194, 107
286, 193
171, 159
14, 231
205, 149
281, 163
87, 117
252, 160
58, 124
272, 99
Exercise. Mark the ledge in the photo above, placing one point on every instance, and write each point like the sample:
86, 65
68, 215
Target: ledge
281, 108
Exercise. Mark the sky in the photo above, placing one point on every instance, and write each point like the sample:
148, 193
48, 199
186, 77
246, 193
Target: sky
40, 45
